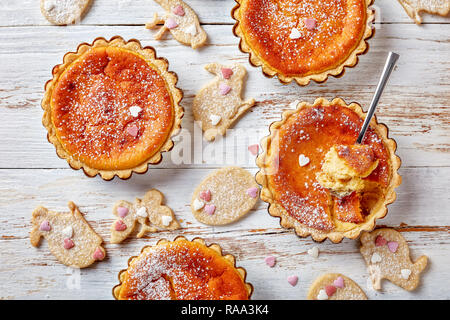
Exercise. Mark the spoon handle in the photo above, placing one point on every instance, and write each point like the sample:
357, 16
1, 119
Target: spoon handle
388, 67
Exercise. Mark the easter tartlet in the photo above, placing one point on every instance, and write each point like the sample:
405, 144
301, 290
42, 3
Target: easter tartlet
303, 40
112, 108
182, 270
317, 180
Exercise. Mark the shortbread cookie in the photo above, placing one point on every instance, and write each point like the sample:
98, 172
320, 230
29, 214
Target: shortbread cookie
219, 104
70, 238
225, 196
335, 286
414, 7
149, 212
387, 256
62, 12
181, 21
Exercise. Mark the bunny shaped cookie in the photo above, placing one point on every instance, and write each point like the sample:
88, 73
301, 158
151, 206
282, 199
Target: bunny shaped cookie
219, 104
148, 212
387, 256
181, 21
70, 238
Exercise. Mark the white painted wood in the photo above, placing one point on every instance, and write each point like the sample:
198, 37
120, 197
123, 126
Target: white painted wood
418, 212
414, 106
138, 12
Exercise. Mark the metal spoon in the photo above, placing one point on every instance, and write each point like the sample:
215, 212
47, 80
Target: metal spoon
388, 67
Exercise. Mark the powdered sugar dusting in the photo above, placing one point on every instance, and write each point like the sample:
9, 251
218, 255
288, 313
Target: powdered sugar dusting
313, 131
91, 104
338, 28
182, 270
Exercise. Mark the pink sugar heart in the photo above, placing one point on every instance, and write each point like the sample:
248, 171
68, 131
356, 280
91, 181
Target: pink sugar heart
252, 192
292, 280
339, 282
226, 73
270, 261
132, 130
330, 290
393, 246
68, 243
210, 209
122, 211
310, 24
120, 225
171, 23
254, 148
45, 226
224, 88
380, 241
98, 254
205, 195
178, 10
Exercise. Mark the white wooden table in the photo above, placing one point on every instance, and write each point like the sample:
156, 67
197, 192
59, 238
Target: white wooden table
415, 106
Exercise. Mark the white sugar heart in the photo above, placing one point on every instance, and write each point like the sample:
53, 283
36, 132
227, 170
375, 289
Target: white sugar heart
295, 34
314, 252
405, 273
134, 111
166, 220
142, 212
215, 119
197, 205
322, 295
303, 160
192, 30
375, 258
68, 232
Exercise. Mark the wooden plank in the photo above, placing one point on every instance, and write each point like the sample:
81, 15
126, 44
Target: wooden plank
138, 12
414, 105
418, 213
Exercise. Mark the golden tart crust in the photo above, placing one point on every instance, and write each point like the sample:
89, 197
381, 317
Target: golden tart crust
264, 28
292, 190
88, 108
182, 270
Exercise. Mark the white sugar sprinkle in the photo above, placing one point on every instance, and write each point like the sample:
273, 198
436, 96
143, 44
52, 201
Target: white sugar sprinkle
142, 212
215, 119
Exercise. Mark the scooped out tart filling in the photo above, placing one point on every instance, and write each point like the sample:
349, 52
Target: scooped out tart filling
111, 109
317, 178
345, 167
182, 270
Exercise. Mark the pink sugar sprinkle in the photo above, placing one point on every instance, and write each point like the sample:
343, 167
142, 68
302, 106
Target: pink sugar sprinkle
254, 148
133, 131
227, 73
171, 23
120, 225
98, 254
224, 89
339, 282
270, 261
68, 243
252, 192
210, 209
205, 195
330, 290
45, 226
380, 241
292, 280
122, 211
393, 246
310, 24
178, 10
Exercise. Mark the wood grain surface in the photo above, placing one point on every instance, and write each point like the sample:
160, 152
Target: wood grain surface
415, 107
